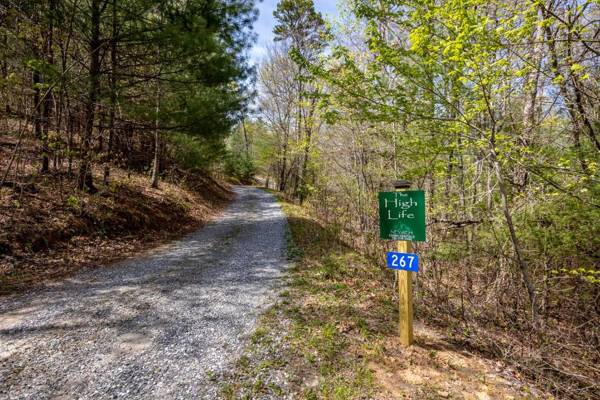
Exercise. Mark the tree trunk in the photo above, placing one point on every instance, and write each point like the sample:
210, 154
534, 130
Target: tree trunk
246, 142
48, 100
70, 128
521, 262
308, 125
5, 75
155, 164
85, 179
282, 174
299, 118
113, 93
575, 118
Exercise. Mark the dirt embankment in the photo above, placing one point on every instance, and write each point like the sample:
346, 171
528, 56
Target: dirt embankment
48, 230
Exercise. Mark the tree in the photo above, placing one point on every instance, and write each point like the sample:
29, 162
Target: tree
303, 28
277, 103
85, 179
82, 70
492, 109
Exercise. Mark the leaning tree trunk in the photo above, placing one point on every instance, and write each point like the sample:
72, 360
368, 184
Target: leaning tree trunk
520, 259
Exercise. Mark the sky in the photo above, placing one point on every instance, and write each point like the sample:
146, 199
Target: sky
263, 27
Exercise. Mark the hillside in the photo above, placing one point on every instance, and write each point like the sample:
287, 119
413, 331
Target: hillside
50, 230
106, 108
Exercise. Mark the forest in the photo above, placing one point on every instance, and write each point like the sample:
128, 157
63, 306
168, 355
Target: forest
491, 107
103, 82
100, 101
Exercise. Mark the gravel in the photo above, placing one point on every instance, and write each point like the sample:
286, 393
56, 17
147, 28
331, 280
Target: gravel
163, 325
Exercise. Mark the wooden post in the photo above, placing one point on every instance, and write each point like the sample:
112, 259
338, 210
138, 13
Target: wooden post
405, 291
405, 299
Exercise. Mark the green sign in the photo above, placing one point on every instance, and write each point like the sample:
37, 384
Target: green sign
402, 215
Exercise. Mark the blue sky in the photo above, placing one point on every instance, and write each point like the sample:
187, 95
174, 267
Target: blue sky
265, 23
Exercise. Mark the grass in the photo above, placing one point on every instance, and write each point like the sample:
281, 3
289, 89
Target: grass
326, 325
332, 334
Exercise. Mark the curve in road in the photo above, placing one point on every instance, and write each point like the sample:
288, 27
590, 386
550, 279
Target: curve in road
158, 326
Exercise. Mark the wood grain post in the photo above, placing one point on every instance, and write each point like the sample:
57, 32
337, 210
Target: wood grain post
405, 292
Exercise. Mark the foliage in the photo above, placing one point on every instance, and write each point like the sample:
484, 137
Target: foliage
240, 167
106, 82
490, 107
196, 153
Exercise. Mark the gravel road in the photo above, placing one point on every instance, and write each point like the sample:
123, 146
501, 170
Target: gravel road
161, 326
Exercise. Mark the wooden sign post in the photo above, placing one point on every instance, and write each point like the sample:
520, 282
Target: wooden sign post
402, 218
405, 295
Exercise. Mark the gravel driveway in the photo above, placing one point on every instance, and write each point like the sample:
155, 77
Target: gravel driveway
162, 326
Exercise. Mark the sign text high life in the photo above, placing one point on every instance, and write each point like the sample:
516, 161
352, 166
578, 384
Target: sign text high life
402, 215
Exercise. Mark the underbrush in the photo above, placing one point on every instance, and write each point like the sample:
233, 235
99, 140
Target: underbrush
471, 287
560, 354
50, 230
333, 335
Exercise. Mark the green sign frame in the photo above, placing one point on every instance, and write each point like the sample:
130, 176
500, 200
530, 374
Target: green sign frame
402, 215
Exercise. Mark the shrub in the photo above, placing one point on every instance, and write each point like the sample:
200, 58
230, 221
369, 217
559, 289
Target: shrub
240, 167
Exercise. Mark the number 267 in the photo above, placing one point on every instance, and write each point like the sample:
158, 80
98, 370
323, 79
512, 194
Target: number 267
402, 261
